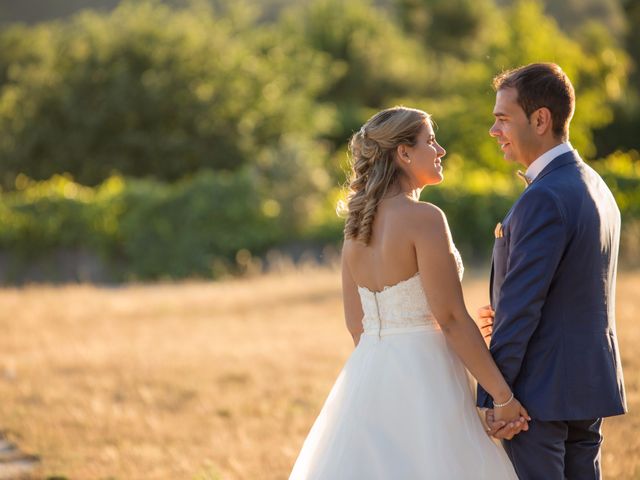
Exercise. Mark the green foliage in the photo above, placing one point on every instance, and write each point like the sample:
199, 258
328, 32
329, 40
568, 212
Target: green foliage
621, 171
149, 91
573, 15
196, 133
207, 224
178, 90
448, 26
472, 218
622, 132
184, 229
373, 59
632, 40
474, 201
294, 179
143, 228
377, 60
56, 214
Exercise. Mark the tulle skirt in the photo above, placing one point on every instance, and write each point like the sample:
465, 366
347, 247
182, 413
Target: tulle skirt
401, 408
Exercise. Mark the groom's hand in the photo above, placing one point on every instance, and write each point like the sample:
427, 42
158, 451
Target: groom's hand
504, 430
485, 322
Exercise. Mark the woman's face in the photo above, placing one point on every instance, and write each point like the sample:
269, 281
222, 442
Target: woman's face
426, 158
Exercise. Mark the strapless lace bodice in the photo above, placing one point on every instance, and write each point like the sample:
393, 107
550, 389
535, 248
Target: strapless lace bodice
400, 307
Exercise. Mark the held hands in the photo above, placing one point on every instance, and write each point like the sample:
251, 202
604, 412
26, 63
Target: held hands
509, 418
512, 409
506, 422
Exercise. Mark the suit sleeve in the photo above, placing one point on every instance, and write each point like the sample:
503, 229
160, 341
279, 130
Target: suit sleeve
537, 240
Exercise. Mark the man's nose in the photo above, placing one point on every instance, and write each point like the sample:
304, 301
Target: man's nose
493, 131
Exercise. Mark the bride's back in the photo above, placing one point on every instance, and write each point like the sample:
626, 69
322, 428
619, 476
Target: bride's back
390, 256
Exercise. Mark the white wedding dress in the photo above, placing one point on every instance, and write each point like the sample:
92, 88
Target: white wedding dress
402, 408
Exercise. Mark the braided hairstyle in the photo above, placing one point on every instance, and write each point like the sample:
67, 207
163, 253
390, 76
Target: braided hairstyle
373, 167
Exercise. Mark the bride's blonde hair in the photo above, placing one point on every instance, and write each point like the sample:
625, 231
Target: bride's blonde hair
373, 167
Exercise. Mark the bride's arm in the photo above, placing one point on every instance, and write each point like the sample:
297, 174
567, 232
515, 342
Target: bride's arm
441, 284
351, 299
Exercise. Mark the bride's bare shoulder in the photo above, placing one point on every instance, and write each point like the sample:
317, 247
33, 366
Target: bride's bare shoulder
351, 247
425, 215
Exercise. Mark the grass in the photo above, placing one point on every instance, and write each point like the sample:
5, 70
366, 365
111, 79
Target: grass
203, 381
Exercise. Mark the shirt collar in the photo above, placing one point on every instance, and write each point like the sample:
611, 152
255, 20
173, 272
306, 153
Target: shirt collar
545, 159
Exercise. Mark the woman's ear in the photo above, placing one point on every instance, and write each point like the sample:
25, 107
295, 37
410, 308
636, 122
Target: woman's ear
402, 153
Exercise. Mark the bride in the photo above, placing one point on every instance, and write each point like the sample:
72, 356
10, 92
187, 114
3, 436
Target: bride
402, 407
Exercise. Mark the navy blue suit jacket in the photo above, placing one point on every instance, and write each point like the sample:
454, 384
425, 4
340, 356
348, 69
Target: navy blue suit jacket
553, 291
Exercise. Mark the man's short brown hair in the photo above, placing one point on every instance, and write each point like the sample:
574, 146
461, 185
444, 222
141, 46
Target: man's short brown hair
542, 85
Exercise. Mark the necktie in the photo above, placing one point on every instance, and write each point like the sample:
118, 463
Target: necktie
523, 177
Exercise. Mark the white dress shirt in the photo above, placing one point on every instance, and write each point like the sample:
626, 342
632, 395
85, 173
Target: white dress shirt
545, 159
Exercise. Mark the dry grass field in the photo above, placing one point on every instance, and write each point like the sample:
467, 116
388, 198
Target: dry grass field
203, 380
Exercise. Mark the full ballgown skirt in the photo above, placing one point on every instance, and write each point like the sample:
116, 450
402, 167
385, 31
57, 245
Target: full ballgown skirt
402, 407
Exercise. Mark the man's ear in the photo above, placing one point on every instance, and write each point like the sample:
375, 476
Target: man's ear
542, 121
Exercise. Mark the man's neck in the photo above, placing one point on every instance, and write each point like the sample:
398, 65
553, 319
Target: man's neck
540, 149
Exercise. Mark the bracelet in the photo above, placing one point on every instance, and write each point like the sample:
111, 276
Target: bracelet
500, 405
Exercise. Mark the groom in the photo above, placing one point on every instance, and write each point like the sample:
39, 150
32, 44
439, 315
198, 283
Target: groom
553, 284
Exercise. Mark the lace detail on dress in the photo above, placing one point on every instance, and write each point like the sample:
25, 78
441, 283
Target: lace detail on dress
399, 306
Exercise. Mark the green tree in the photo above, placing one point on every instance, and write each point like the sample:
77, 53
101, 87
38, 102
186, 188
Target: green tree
622, 132
574, 14
456, 27
149, 90
374, 61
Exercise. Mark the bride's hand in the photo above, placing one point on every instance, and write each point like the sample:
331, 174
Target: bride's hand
502, 430
513, 412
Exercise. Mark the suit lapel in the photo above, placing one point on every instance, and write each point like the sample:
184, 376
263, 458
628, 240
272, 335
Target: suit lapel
559, 161
491, 283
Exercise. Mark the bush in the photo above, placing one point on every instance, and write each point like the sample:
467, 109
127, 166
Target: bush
142, 229
187, 229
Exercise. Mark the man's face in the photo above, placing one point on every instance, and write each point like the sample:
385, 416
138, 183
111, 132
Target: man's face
515, 134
